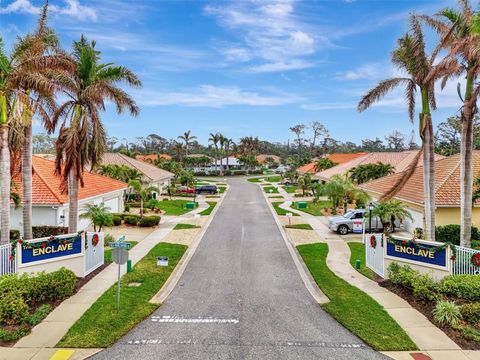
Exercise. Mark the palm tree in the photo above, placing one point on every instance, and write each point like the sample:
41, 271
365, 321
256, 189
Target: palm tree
461, 35
227, 144
215, 139
186, 138
388, 212
99, 215
410, 57
82, 139
221, 142
143, 192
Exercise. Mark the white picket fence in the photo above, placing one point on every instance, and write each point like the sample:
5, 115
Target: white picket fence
374, 256
463, 261
7, 265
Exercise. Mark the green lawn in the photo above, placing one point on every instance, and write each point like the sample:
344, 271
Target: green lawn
107, 254
101, 326
357, 251
255, 179
274, 178
299, 226
290, 189
174, 207
185, 226
221, 189
352, 308
314, 209
210, 208
279, 210
270, 190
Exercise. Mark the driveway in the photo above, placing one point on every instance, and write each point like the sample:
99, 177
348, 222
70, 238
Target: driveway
240, 297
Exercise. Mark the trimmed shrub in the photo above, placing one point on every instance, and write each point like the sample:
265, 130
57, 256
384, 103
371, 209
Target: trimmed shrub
149, 221
471, 313
447, 313
255, 172
200, 173
131, 219
13, 335
425, 288
45, 231
117, 220
127, 207
13, 309
62, 284
402, 275
239, 172
14, 235
214, 173
39, 314
451, 233
462, 286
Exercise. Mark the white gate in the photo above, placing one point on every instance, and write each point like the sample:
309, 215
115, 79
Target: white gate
374, 256
94, 243
463, 261
8, 265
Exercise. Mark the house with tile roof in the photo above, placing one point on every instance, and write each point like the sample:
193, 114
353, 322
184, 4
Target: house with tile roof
338, 158
50, 203
262, 157
151, 174
399, 160
447, 192
151, 158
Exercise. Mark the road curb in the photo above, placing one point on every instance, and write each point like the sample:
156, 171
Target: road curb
171, 283
307, 279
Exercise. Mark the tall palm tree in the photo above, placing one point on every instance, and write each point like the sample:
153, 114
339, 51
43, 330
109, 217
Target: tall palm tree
214, 139
82, 139
221, 142
22, 73
227, 144
461, 35
42, 43
411, 58
186, 138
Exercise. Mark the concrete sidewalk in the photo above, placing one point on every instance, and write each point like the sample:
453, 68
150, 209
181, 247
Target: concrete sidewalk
40, 343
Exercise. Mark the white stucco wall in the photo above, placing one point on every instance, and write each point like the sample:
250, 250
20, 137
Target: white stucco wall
41, 215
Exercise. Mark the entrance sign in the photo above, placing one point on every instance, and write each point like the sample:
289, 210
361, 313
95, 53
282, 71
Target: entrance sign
421, 254
48, 248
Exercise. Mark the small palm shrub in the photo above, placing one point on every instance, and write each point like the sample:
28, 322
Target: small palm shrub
447, 313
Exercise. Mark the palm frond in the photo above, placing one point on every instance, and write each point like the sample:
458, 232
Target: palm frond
378, 92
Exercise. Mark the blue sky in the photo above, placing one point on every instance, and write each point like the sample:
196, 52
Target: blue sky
250, 67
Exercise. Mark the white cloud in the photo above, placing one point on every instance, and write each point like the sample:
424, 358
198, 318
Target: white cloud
72, 8
215, 96
367, 71
270, 32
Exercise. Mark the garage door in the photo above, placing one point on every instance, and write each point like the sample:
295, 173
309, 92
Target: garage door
112, 204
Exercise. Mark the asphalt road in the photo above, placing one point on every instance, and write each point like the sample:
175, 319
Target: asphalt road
240, 297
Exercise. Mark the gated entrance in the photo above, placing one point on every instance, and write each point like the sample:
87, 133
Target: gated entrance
94, 243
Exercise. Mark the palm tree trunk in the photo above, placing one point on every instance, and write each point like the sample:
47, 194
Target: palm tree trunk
429, 178
73, 201
27, 183
466, 178
5, 183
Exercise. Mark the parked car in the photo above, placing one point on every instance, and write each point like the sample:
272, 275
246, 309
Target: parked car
343, 224
186, 190
207, 189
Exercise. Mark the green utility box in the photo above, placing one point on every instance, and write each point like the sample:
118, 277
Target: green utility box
190, 205
302, 204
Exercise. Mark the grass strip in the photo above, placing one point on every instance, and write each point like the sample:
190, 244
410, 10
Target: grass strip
299, 226
255, 179
101, 326
185, 226
357, 252
270, 190
314, 209
289, 189
174, 207
274, 178
208, 211
279, 210
221, 189
352, 308
107, 254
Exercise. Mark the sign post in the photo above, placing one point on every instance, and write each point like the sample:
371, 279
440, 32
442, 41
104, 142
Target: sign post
120, 256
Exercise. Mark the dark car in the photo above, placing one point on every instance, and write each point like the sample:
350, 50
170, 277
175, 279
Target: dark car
206, 189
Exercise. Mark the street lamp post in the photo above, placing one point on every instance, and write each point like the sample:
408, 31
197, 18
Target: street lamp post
370, 208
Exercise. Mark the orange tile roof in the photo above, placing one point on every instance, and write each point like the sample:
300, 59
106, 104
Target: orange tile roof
399, 160
307, 168
447, 182
341, 158
153, 157
262, 157
46, 186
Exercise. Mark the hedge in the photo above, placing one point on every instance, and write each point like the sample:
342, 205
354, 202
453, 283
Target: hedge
149, 221
451, 233
20, 292
45, 231
117, 220
131, 219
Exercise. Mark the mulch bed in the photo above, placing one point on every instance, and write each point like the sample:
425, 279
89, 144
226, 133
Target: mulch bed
426, 309
80, 283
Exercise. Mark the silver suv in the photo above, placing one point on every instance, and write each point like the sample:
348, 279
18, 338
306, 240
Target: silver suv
343, 224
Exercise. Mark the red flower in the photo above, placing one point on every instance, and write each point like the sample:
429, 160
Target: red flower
52, 237
44, 244
20, 241
476, 260
10, 258
453, 258
373, 241
404, 243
